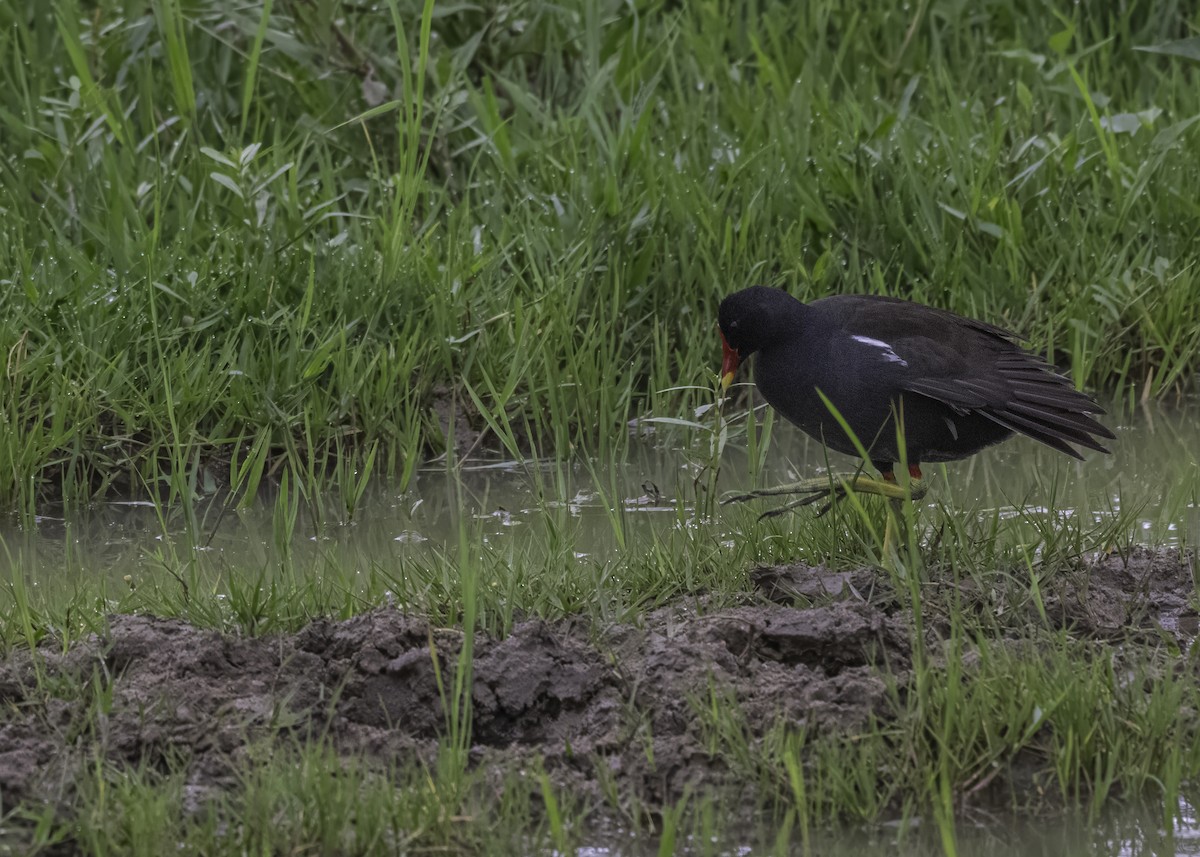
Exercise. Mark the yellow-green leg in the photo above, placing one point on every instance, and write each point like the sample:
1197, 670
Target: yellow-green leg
828, 489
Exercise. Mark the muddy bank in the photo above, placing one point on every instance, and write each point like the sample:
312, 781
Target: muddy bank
1103, 596
568, 691
812, 646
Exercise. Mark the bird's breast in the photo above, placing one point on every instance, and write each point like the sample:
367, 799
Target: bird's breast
793, 382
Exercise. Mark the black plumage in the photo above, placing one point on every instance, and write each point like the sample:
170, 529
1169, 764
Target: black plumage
961, 384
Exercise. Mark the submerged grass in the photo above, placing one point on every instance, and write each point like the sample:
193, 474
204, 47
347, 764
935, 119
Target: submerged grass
981, 738
308, 798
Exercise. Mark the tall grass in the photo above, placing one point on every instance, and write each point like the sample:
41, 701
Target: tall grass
300, 226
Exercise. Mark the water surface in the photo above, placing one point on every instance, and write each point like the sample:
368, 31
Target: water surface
1152, 478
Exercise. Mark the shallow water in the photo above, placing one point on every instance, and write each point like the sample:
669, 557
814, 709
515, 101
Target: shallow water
1152, 476
1129, 831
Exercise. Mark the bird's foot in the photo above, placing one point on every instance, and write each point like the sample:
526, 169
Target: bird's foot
829, 489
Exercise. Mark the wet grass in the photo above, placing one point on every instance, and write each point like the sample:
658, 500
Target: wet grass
307, 799
287, 248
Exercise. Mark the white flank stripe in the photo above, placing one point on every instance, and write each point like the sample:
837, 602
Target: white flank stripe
888, 354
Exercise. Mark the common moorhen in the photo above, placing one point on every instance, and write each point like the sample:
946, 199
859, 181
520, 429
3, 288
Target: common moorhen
960, 384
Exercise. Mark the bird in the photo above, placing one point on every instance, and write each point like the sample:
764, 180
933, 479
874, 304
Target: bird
958, 385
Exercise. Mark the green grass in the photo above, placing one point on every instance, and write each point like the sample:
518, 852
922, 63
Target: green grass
303, 799
243, 240
268, 251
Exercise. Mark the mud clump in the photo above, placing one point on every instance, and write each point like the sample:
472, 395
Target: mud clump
1142, 591
1105, 596
568, 692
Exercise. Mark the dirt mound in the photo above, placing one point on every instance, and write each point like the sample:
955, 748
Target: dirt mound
566, 691
1113, 594
575, 694
1103, 596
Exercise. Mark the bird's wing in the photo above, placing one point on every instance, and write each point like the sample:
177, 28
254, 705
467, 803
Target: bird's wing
1021, 392
971, 367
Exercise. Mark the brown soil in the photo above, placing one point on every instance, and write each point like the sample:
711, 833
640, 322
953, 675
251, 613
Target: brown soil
570, 692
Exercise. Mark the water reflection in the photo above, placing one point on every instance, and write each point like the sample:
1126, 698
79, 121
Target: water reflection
1126, 831
1153, 476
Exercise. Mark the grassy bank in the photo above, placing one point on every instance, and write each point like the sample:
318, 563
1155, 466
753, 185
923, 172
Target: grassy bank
282, 236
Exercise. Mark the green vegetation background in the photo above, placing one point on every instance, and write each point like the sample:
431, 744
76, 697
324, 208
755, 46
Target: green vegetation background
254, 234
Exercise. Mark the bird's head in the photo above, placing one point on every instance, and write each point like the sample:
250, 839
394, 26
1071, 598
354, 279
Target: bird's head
749, 320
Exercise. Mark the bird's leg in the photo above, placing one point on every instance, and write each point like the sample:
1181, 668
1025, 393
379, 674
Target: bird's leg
833, 487
916, 490
917, 487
